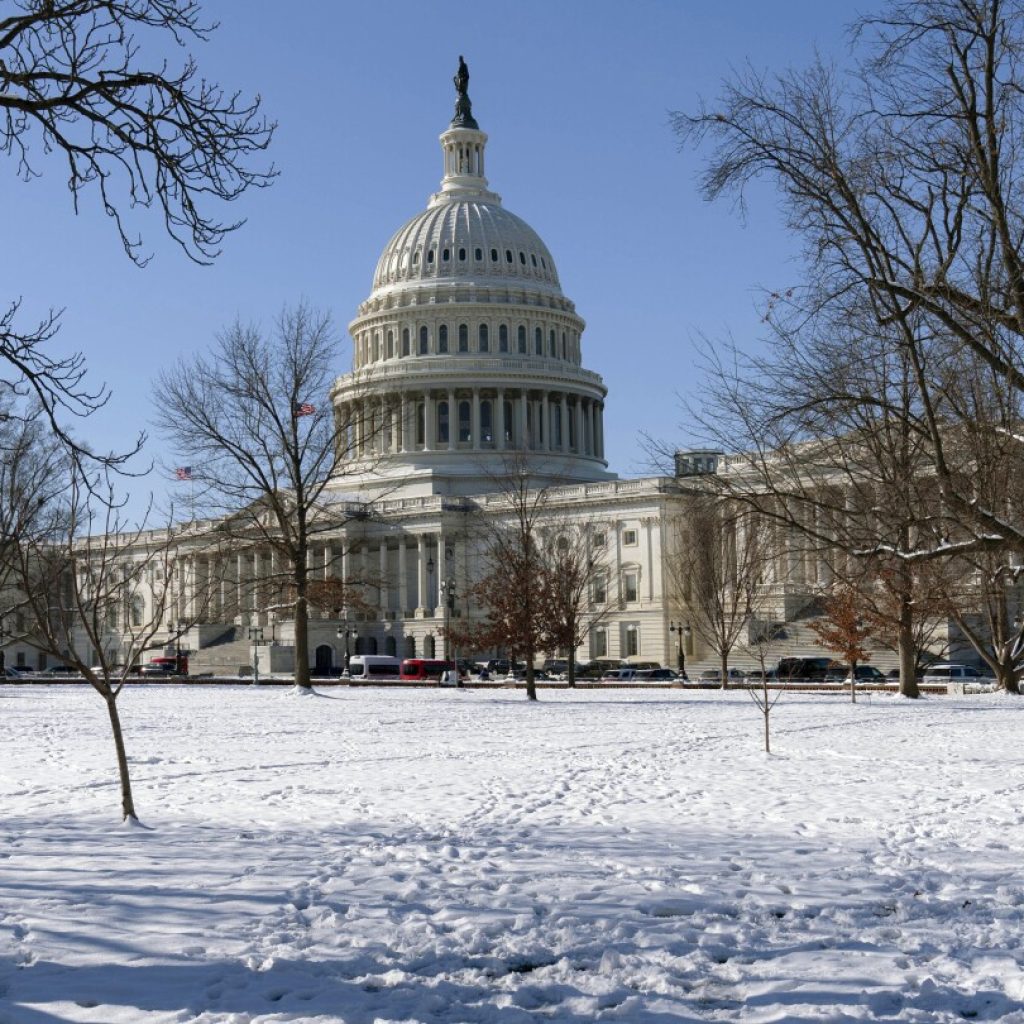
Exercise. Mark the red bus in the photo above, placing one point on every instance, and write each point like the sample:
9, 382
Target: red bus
425, 668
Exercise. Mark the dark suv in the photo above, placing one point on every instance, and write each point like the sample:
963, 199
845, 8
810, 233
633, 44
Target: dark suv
803, 670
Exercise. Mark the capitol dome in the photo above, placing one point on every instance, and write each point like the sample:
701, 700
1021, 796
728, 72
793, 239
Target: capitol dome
466, 349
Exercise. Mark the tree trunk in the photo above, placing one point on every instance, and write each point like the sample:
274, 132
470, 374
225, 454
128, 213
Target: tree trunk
127, 803
571, 672
908, 654
302, 625
531, 685
853, 681
725, 671
1006, 678
767, 710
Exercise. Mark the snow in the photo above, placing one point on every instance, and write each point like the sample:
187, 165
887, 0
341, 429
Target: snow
394, 856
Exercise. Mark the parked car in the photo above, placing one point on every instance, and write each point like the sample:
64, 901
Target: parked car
714, 675
865, 674
657, 675
950, 673
619, 675
67, 671
802, 670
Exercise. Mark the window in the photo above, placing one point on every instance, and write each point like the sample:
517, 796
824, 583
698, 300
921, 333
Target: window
533, 258
415, 258
494, 255
508, 255
486, 428
552, 351
630, 586
543, 263
538, 341
629, 538
509, 424
442, 422
391, 344
600, 643
428, 647
565, 349
503, 338
405, 341
421, 419
138, 609
424, 341
522, 258
442, 338
600, 540
483, 340
465, 433
462, 255
430, 256
463, 338
521, 337
446, 255
600, 589
632, 640
478, 254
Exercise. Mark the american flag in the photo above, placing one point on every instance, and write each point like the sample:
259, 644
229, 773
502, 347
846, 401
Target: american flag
183, 473
304, 409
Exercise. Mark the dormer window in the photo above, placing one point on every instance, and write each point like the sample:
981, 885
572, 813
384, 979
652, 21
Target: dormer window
533, 258
445, 255
462, 255
522, 258
478, 254
508, 255
430, 256
494, 255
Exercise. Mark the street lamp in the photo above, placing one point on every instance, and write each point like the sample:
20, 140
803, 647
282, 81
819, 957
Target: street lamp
256, 638
344, 633
682, 630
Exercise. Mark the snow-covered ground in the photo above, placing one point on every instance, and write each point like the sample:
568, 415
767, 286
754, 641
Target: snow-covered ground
464, 856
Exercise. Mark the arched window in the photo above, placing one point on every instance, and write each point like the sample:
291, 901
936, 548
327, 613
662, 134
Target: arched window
430, 256
465, 430
391, 344
415, 258
405, 341
552, 350
565, 350
538, 341
409, 647
462, 255
522, 258
446, 255
424, 341
484, 343
421, 419
503, 338
521, 334
509, 425
494, 255
376, 347
533, 259
138, 609
478, 254
508, 255
442, 338
486, 424
463, 338
428, 647
390, 646
442, 422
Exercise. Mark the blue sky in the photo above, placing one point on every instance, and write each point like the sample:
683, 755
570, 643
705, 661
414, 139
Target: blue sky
575, 97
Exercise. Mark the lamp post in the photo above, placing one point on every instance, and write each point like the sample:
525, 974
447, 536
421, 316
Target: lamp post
682, 630
255, 638
344, 633
3, 644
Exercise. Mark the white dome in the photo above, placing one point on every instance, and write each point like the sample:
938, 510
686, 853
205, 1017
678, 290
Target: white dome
467, 240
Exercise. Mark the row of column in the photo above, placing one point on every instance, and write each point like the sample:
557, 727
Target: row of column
473, 419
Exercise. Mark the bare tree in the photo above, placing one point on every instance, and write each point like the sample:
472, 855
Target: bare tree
571, 567
75, 82
88, 592
762, 638
902, 178
720, 561
261, 453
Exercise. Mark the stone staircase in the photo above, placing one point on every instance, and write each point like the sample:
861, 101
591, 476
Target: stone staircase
227, 656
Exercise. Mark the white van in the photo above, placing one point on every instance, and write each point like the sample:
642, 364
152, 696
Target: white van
373, 666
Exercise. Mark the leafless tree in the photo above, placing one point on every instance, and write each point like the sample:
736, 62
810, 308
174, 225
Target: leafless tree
571, 566
902, 178
261, 453
87, 591
76, 82
720, 561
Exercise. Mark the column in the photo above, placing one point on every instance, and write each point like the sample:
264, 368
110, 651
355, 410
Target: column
421, 575
565, 422
240, 586
474, 423
549, 443
385, 590
499, 419
403, 420
403, 577
429, 422
581, 444
453, 421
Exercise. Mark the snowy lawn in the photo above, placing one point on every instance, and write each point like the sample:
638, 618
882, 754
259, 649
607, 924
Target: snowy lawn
464, 856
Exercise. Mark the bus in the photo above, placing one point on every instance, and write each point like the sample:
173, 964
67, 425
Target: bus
426, 668
373, 666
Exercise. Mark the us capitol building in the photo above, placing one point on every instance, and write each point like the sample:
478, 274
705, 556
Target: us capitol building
468, 358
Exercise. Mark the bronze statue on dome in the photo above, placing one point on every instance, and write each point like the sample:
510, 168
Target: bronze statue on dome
463, 108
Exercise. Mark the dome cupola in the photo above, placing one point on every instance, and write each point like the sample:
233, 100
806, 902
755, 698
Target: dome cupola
466, 349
